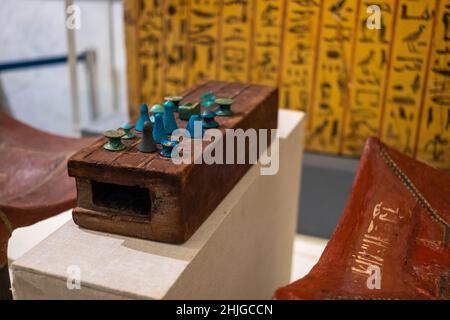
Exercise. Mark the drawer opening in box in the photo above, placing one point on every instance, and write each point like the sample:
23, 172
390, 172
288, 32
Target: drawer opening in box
132, 200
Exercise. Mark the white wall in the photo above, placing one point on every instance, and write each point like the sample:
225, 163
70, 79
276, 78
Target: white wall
36, 28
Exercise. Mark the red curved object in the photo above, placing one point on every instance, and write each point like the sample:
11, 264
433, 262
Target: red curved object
34, 184
392, 241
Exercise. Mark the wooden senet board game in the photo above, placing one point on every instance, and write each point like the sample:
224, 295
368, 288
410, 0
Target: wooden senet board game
148, 196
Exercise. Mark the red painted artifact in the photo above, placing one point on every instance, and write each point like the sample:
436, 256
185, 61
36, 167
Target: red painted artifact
393, 239
34, 184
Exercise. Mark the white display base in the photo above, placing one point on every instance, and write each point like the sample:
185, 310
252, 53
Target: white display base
242, 251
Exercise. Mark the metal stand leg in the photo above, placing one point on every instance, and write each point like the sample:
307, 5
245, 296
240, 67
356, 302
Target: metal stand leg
4, 106
112, 55
73, 72
91, 72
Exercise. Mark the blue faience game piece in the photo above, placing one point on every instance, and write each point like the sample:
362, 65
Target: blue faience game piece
207, 99
143, 116
176, 101
157, 108
147, 143
127, 129
159, 135
224, 109
195, 127
170, 125
168, 145
208, 119
114, 140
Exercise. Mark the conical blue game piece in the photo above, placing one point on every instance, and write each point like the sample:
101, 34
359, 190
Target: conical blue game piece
170, 125
157, 108
159, 135
143, 117
195, 127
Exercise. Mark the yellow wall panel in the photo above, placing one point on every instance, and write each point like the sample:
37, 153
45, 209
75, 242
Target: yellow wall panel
235, 42
333, 75
300, 42
369, 74
267, 41
175, 45
352, 81
411, 46
131, 14
202, 52
150, 50
434, 134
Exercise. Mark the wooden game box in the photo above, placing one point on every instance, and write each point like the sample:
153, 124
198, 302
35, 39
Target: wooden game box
148, 196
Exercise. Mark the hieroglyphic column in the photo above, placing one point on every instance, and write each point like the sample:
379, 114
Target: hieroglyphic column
434, 132
267, 34
299, 52
203, 39
369, 74
407, 75
235, 40
151, 50
175, 35
331, 91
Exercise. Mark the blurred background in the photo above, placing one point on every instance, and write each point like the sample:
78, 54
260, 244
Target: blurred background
38, 91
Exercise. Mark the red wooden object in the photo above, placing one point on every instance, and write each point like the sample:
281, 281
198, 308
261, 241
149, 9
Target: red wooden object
395, 225
34, 184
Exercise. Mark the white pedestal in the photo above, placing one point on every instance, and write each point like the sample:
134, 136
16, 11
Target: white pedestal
242, 251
